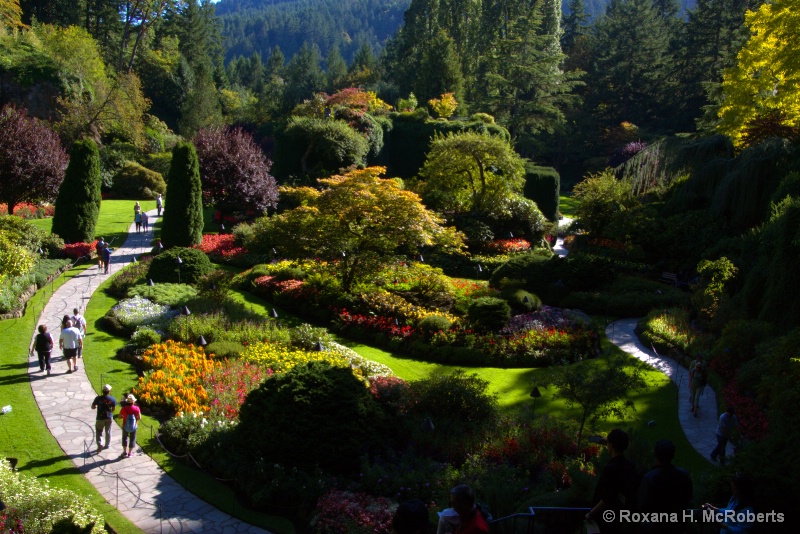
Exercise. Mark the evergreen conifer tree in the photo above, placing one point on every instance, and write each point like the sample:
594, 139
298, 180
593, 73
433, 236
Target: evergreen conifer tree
183, 211
78, 201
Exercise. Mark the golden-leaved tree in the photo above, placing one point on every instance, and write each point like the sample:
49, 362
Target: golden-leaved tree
762, 91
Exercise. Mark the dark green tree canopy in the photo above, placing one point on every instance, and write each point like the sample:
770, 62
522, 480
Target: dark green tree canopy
78, 202
183, 207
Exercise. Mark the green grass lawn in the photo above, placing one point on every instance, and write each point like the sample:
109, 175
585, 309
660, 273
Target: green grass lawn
658, 403
567, 205
23, 432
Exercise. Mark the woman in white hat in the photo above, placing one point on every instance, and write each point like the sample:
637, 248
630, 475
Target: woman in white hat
130, 414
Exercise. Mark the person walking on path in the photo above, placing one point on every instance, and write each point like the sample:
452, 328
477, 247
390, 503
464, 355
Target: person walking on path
105, 405
43, 343
138, 220
98, 248
130, 415
616, 488
137, 208
697, 383
728, 424
79, 322
665, 489
145, 221
159, 204
69, 342
106, 256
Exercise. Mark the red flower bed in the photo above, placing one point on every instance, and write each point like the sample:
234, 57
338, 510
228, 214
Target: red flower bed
507, 246
378, 323
29, 211
77, 250
227, 386
221, 247
752, 417
343, 512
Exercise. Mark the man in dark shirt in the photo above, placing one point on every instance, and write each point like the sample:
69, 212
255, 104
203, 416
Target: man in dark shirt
105, 405
665, 489
616, 488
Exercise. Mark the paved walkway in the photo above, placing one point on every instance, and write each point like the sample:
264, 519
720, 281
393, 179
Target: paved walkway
137, 486
559, 249
700, 430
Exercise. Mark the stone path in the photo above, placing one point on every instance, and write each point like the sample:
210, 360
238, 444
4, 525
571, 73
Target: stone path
700, 430
559, 249
137, 486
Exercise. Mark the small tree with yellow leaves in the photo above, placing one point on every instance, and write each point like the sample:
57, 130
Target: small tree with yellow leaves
444, 106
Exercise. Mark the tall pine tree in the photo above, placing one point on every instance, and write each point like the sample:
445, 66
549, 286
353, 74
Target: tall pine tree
78, 202
183, 210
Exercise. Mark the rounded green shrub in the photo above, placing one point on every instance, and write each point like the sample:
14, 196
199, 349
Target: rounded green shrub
520, 300
225, 349
434, 323
482, 117
489, 313
324, 416
169, 294
144, 337
165, 268
136, 182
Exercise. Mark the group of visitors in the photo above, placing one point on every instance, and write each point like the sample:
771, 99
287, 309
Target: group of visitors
129, 413
141, 218
70, 341
666, 489
103, 251
464, 516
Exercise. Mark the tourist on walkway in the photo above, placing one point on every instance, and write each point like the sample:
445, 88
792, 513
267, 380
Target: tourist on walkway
727, 426
106, 255
138, 220
617, 486
740, 503
98, 248
79, 322
69, 342
462, 500
665, 489
43, 343
129, 409
411, 517
159, 204
137, 209
145, 221
697, 383
105, 405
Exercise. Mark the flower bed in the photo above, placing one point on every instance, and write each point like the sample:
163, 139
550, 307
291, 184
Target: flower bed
344, 512
508, 246
138, 311
221, 247
25, 210
175, 378
228, 384
74, 251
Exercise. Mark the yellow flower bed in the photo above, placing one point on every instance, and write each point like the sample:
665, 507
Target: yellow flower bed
176, 377
390, 305
280, 358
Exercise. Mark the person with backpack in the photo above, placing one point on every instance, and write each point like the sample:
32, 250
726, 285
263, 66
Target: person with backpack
130, 415
43, 344
105, 405
69, 342
79, 322
98, 248
697, 381
616, 489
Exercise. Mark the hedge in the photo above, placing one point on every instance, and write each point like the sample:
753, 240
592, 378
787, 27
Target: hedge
543, 186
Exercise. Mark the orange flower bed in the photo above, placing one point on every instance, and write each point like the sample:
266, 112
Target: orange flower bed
176, 376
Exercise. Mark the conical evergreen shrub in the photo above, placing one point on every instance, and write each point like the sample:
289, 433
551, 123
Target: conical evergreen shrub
78, 201
183, 207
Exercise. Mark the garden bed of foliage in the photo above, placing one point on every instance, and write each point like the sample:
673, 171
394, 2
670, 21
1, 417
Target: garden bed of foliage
225, 402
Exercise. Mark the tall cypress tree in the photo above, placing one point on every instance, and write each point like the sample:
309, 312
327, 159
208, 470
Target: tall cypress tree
183, 211
78, 201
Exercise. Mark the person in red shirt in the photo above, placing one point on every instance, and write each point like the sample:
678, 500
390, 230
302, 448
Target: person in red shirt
462, 500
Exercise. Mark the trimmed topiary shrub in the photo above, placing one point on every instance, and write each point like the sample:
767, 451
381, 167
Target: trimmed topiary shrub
165, 268
434, 323
136, 182
78, 201
543, 186
225, 349
169, 294
182, 224
521, 301
489, 313
324, 416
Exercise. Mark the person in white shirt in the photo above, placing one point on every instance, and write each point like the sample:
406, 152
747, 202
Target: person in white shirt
79, 322
69, 342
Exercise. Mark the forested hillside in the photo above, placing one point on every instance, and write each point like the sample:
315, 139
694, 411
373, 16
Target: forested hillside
258, 26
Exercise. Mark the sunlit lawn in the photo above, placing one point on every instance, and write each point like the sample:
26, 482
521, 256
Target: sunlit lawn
23, 432
567, 205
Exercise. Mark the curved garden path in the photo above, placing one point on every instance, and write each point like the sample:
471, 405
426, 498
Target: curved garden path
137, 486
700, 430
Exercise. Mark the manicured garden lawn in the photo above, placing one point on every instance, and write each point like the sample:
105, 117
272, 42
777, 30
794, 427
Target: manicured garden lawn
657, 403
23, 432
115, 218
567, 205
103, 367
